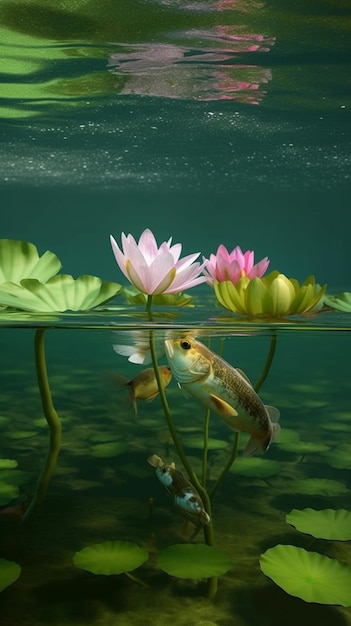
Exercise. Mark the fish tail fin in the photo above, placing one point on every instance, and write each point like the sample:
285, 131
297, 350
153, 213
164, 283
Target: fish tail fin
273, 413
275, 432
117, 379
252, 445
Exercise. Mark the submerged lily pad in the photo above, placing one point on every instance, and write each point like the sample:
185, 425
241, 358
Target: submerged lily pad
20, 259
198, 442
304, 447
193, 560
340, 457
7, 464
325, 524
110, 557
109, 449
256, 467
341, 302
319, 487
60, 293
8, 492
308, 575
9, 572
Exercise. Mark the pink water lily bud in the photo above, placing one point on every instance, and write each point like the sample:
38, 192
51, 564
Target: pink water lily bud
233, 265
156, 270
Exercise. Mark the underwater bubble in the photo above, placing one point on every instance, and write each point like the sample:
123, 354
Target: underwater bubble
110, 557
325, 524
308, 575
9, 572
193, 560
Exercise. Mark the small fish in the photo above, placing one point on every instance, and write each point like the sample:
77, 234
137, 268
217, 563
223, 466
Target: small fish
224, 389
184, 495
144, 385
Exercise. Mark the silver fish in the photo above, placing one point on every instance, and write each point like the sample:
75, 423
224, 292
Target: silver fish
224, 389
184, 495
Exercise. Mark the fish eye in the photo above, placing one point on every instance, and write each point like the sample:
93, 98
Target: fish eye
186, 345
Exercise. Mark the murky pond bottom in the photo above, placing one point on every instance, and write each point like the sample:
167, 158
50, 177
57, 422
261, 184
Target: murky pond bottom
103, 488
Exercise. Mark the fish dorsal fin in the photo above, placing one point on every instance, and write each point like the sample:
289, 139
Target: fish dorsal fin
155, 461
172, 465
273, 412
245, 376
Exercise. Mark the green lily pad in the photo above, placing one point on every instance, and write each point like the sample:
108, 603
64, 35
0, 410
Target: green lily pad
9, 572
110, 557
8, 492
20, 259
319, 487
7, 464
109, 449
193, 560
169, 299
21, 434
340, 457
198, 442
304, 447
255, 467
287, 435
326, 524
60, 293
308, 575
341, 302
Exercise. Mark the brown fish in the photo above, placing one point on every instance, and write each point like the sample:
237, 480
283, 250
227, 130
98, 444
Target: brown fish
144, 385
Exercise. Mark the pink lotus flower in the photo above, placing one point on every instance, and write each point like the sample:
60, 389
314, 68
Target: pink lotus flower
233, 265
155, 270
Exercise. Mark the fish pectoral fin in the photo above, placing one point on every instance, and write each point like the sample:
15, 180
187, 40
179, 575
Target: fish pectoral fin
152, 397
222, 407
273, 413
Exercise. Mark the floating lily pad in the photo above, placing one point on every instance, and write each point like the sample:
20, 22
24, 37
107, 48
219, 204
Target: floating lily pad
308, 575
198, 442
340, 457
9, 572
319, 487
256, 467
7, 464
20, 259
110, 557
341, 302
59, 293
169, 299
189, 560
326, 524
108, 449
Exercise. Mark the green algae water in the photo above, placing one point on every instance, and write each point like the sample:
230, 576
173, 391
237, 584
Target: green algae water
104, 490
211, 121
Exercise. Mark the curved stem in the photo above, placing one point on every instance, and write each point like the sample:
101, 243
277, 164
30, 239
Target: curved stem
268, 363
53, 421
205, 448
227, 466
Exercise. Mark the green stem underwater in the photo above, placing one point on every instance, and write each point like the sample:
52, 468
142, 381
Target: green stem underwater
53, 422
268, 363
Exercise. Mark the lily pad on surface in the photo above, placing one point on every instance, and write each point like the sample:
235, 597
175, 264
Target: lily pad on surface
20, 259
9, 572
193, 560
110, 557
325, 524
308, 575
60, 293
255, 467
341, 302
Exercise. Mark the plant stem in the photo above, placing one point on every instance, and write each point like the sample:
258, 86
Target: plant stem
53, 421
227, 466
268, 363
205, 448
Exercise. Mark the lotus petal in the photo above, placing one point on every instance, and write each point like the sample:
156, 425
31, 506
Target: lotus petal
325, 524
9, 572
110, 557
59, 293
193, 560
308, 575
20, 259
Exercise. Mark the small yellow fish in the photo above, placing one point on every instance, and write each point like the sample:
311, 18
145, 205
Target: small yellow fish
184, 495
144, 385
224, 389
